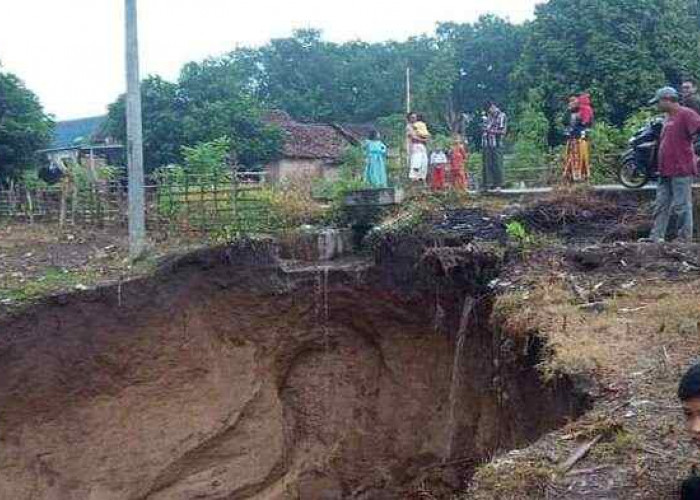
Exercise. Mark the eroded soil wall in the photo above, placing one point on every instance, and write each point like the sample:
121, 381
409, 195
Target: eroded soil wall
224, 377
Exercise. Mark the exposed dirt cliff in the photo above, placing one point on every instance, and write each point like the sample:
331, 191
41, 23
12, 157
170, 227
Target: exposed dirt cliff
226, 376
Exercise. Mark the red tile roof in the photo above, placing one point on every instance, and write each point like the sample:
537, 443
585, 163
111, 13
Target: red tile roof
316, 141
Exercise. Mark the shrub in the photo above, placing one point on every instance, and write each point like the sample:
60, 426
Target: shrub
207, 159
292, 204
530, 150
607, 143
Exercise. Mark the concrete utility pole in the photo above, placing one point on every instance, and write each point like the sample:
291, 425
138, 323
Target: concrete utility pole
408, 90
134, 132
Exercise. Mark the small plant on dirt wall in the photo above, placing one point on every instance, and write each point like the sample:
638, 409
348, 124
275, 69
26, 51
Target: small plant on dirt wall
517, 232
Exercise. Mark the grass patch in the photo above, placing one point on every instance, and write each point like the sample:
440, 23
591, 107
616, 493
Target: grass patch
18, 290
513, 480
582, 341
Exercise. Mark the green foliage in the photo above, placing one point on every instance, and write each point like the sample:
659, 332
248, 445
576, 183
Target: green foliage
350, 177
636, 121
517, 231
30, 180
318, 80
530, 149
607, 143
393, 130
486, 53
207, 159
619, 50
212, 99
162, 133
24, 128
53, 279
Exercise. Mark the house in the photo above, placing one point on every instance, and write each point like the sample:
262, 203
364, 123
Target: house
84, 142
312, 149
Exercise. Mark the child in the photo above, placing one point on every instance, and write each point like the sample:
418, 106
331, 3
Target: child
438, 163
689, 394
421, 128
459, 157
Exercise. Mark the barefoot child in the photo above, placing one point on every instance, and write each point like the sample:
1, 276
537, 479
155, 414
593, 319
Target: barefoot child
459, 158
438, 165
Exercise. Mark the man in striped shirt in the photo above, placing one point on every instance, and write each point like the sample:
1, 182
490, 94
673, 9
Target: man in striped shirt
495, 128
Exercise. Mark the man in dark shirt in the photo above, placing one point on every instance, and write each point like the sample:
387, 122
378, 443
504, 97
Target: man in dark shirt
494, 132
689, 93
677, 166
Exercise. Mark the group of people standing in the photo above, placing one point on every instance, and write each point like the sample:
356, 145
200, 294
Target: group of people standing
444, 167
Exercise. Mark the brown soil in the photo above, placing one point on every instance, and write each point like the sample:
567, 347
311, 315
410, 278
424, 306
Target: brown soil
624, 317
223, 377
37, 260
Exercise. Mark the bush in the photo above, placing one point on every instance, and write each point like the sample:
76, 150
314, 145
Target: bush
607, 143
350, 177
530, 152
292, 204
207, 159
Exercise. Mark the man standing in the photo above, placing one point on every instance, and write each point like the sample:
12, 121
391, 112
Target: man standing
677, 166
689, 92
495, 128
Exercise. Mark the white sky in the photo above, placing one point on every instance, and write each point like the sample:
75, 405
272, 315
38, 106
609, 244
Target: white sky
70, 52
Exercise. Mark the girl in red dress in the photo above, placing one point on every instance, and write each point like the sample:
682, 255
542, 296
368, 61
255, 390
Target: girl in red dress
459, 158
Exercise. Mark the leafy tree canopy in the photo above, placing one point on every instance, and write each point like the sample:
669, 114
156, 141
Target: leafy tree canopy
24, 127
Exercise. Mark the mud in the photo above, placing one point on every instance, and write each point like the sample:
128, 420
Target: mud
225, 377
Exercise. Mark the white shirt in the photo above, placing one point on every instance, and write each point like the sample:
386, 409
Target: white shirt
438, 158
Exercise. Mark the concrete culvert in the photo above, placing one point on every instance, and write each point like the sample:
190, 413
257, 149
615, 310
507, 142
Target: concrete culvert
224, 376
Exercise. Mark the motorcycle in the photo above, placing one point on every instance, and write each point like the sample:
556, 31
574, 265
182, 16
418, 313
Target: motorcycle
640, 163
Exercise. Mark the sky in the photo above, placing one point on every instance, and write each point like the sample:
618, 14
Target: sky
70, 52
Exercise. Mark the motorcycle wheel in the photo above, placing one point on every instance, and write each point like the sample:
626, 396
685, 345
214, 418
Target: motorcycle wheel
632, 177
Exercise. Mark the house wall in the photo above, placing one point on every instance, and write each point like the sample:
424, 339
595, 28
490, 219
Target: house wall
290, 168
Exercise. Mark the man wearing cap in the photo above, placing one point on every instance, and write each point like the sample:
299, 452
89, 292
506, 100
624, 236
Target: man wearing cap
677, 166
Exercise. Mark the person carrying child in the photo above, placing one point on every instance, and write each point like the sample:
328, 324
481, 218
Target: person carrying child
417, 137
577, 165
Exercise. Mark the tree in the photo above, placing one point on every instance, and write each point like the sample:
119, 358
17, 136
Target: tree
316, 80
162, 117
486, 54
218, 98
24, 127
212, 99
531, 130
619, 50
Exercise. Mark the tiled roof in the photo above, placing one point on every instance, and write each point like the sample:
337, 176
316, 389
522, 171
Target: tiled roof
316, 141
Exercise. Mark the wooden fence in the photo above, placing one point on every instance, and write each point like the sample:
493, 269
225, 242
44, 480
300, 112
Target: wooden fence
178, 203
